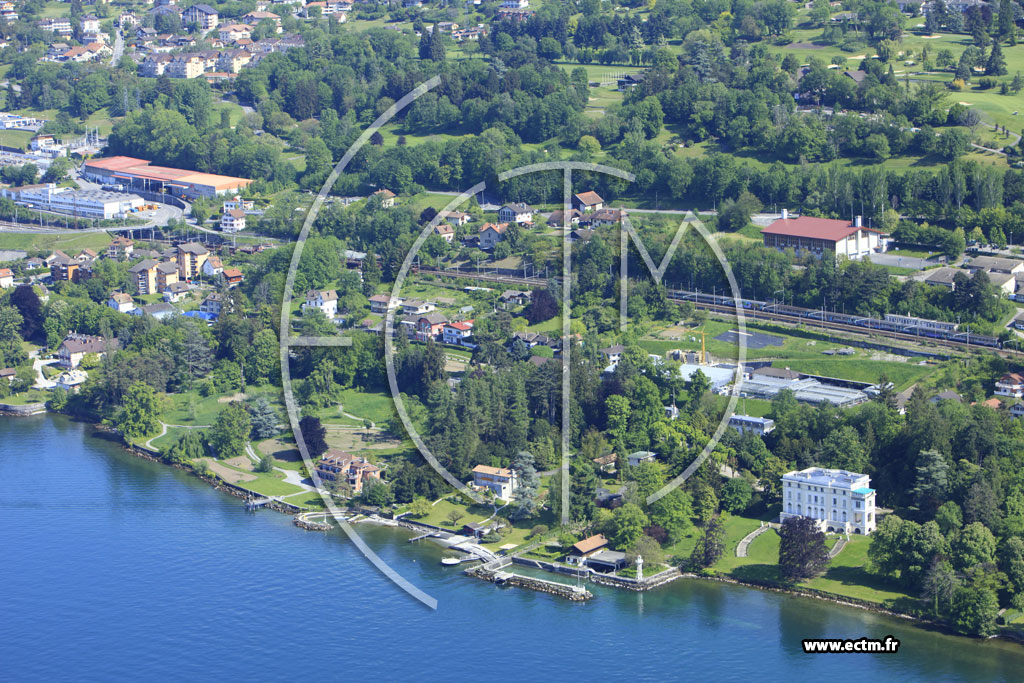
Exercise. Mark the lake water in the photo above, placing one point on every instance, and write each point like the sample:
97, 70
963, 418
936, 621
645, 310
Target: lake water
115, 568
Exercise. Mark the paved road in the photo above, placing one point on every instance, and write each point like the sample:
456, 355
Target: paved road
41, 381
118, 47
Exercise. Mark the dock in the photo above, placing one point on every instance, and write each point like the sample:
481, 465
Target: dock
429, 534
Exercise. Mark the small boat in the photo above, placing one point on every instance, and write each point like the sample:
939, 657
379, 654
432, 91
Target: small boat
451, 560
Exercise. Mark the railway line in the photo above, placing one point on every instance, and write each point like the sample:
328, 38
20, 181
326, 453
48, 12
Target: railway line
892, 327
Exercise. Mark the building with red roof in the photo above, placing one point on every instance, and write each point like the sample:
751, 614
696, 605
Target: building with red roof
815, 236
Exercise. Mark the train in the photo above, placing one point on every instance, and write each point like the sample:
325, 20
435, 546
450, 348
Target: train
893, 324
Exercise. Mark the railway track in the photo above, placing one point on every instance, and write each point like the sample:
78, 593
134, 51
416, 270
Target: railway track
750, 313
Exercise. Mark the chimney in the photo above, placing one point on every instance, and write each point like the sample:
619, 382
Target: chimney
858, 222
785, 214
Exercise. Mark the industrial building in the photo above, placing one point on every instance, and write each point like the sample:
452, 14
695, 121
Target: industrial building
808, 235
81, 203
141, 175
806, 390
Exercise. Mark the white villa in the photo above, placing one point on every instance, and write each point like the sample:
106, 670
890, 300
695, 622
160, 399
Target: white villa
837, 500
498, 479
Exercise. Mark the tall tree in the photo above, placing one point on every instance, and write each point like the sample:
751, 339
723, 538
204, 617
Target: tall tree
137, 416
230, 432
802, 549
315, 436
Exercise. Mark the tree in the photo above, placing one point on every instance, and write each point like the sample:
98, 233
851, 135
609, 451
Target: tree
589, 145
419, 507
940, 585
186, 449
627, 525
265, 464
996, 65
973, 545
932, 481
58, 170
263, 418
377, 492
526, 502
736, 494
802, 549
673, 512
975, 608
230, 432
705, 503
710, 545
138, 414
453, 517
315, 436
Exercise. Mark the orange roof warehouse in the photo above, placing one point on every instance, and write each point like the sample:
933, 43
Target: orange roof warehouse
139, 174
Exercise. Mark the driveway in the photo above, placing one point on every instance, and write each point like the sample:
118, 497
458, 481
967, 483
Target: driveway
41, 381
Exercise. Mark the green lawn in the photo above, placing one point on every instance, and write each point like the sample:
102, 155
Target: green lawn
473, 513
26, 397
379, 407
64, 241
860, 369
847, 577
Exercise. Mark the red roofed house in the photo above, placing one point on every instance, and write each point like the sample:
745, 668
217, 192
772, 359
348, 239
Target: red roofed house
457, 333
1011, 384
491, 234
587, 201
337, 465
6, 278
233, 276
815, 236
387, 198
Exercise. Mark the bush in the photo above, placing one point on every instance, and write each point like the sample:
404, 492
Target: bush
538, 530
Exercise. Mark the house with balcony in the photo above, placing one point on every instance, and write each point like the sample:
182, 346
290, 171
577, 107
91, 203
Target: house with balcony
502, 481
325, 301
1010, 384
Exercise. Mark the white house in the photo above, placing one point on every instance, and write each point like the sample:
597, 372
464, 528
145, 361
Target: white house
212, 266
417, 307
457, 333
641, 457
237, 202
748, 424
1011, 384
324, 301
500, 480
445, 232
836, 500
516, 213
121, 302
72, 380
6, 278
232, 220
491, 233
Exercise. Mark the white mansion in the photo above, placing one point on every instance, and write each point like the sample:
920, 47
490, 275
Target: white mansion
838, 500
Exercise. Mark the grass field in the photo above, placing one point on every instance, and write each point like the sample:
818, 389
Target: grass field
860, 369
63, 241
847, 576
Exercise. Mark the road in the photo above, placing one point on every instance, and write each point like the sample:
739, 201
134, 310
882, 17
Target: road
41, 381
118, 47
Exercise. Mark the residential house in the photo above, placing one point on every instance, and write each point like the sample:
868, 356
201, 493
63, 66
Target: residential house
603, 217
90, 23
339, 466
629, 81
580, 552
613, 353
517, 212
382, 303
456, 218
191, 257
121, 302
1017, 410
67, 269
1010, 384
205, 16
641, 457
232, 220
120, 248
417, 307
492, 233
9, 374
836, 500
6, 278
75, 346
458, 333
430, 326
237, 202
176, 291
229, 33
514, 297
325, 301
445, 232
71, 381
585, 202
386, 197
254, 18
581, 235
232, 276
557, 219
213, 266
34, 263
502, 481
213, 304
157, 311
748, 424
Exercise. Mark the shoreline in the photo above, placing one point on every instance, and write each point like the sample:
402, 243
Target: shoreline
917, 621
